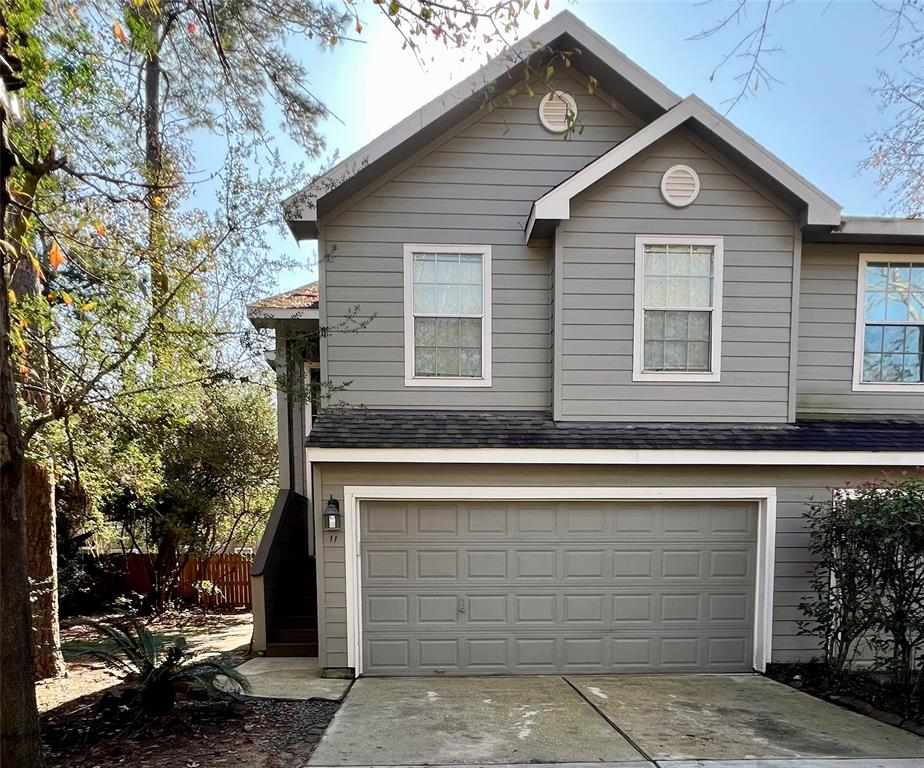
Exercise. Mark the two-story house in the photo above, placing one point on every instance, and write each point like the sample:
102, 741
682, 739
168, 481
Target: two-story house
586, 351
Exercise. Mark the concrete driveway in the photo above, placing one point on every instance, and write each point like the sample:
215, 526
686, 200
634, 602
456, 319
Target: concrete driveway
690, 721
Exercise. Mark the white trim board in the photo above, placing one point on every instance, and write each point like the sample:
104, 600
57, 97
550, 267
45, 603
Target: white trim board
354, 495
859, 332
618, 456
555, 205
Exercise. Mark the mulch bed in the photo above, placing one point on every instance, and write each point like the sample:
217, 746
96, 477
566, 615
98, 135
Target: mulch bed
99, 732
862, 691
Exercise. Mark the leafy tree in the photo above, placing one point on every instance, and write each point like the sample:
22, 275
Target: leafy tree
115, 286
215, 483
896, 149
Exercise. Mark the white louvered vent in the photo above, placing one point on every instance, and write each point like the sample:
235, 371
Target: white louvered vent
680, 185
557, 111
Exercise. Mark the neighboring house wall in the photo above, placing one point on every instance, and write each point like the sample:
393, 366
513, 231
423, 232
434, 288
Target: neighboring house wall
827, 333
597, 291
795, 487
473, 187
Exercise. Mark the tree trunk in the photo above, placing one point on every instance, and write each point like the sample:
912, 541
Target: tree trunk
42, 550
19, 725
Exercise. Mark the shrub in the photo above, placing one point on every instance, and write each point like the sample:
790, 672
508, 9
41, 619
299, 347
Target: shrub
157, 667
868, 582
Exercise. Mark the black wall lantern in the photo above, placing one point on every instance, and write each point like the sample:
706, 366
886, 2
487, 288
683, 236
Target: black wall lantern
332, 520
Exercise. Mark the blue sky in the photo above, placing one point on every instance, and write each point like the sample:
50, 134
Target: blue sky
817, 118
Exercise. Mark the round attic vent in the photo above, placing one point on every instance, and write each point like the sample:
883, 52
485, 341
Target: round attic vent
680, 185
557, 111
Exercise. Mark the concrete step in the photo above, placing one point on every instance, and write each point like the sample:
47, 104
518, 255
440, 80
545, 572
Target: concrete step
292, 649
297, 635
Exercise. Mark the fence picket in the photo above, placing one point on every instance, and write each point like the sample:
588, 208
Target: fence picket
229, 573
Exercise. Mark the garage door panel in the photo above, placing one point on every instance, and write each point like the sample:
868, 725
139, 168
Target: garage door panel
420, 564
655, 608
540, 587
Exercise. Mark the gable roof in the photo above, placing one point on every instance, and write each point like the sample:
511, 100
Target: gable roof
297, 304
591, 54
555, 205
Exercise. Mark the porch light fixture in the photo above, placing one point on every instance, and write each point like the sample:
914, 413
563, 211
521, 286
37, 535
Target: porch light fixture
332, 520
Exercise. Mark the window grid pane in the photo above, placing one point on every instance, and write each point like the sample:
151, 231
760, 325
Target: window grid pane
677, 302
677, 340
893, 354
678, 277
448, 306
894, 292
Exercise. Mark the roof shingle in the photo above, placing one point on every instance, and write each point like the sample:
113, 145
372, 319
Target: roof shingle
303, 297
358, 428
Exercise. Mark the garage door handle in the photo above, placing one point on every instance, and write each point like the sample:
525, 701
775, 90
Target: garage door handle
461, 605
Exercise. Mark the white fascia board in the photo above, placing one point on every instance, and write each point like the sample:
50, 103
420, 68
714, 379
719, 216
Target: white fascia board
881, 226
556, 204
561, 24
822, 209
617, 457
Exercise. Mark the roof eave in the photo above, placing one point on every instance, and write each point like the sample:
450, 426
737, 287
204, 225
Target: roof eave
555, 205
459, 100
265, 317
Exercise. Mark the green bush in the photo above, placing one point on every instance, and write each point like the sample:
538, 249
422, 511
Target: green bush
868, 582
157, 667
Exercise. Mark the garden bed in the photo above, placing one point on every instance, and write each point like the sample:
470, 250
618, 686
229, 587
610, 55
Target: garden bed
96, 731
866, 692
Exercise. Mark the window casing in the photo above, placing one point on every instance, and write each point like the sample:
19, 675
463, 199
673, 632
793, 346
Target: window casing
447, 315
678, 308
889, 341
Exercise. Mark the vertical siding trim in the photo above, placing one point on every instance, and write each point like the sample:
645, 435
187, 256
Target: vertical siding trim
794, 321
282, 412
558, 323
314, 504
322, 319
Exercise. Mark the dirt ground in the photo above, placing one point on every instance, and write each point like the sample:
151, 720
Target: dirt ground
206, 633
81, 730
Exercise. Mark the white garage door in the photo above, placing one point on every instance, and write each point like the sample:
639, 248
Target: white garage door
532, 587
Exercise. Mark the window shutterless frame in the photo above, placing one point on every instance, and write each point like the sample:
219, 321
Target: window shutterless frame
410, 379
860, 329
715, 337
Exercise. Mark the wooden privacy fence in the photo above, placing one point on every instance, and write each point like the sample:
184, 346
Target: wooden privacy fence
227, 575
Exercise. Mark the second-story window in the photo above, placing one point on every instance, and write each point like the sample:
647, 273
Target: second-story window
447, 315
677, 308
890, 323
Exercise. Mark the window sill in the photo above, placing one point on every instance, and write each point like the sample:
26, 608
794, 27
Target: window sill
446, 381
676, 377
896, 387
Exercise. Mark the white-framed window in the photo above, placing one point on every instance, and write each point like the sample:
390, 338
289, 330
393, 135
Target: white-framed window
677, 316
889, 341
447, 315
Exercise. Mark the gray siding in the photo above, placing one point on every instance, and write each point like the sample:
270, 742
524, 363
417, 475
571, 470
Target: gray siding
827, 330
598, 293
795, 487
475, 186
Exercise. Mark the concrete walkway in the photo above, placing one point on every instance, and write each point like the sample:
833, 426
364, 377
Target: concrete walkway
709, 721
290, 677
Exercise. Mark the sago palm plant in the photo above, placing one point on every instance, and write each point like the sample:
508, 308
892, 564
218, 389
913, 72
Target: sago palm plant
158, 667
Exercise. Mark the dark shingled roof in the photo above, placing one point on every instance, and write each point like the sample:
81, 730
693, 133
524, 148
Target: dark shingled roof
358, 428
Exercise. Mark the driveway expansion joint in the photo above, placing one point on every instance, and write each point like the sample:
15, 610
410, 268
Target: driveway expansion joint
612, 723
